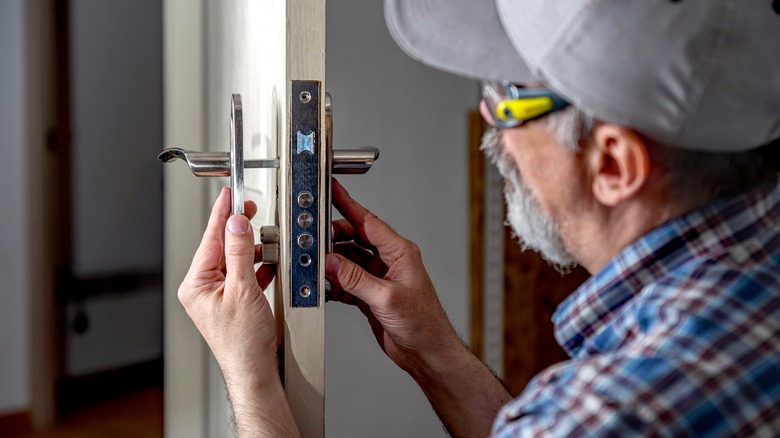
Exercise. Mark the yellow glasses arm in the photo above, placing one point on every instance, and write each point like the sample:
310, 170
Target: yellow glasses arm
523, 109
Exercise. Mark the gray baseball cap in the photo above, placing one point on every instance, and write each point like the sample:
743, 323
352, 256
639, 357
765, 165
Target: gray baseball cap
699, 74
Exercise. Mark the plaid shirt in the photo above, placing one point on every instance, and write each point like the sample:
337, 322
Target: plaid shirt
678, 336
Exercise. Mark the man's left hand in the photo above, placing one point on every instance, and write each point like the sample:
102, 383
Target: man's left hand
223, 295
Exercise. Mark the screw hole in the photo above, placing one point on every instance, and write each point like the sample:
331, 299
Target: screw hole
305, 260
305, 291
305, 96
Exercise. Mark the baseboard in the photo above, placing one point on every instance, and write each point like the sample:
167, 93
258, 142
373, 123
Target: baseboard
15, 424
74, 392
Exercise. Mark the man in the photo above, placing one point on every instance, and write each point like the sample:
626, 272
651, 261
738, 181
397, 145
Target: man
637, 138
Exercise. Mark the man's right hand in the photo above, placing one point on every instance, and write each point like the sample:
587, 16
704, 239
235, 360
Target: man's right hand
383, 275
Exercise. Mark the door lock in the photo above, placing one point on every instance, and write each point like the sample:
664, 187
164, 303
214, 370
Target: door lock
232, 164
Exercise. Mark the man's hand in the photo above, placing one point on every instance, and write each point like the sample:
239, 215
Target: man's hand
223, 295
383, 274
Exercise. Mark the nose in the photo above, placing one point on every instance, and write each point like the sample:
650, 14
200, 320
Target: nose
483, 109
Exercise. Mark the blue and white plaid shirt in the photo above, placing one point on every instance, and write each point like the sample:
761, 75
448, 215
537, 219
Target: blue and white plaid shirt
678, 336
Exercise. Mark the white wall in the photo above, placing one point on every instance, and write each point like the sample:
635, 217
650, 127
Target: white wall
14, 393
417, 117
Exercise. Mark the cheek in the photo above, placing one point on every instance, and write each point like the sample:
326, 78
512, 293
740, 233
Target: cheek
556, 183
537, 171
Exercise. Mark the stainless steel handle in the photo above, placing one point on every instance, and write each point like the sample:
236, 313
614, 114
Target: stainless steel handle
212, 163
354, 161
201, 163
345, 161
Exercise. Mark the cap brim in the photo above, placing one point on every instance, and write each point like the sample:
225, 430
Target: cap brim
464, 37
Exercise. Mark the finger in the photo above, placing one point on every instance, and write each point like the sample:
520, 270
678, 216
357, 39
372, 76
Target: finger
367, 260
265, 275
258, 253
352, 211
354, 252
370, 228
239, 253
351, 278
338, 295
342, 231
250, 209
209, 253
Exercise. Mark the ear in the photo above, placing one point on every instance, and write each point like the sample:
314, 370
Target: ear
620, 164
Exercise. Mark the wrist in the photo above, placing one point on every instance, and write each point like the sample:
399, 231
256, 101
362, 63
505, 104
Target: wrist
260, 406
257, 374
433, 363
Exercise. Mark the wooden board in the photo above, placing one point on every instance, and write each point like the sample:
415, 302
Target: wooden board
533, 290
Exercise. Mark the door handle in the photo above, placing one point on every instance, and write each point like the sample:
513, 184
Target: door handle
232, 164
345, 161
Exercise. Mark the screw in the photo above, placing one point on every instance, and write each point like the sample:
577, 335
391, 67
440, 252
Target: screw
305, 291
305, 240
305, 96
305, 199
305, 220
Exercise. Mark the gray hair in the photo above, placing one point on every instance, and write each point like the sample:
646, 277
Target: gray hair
697, 177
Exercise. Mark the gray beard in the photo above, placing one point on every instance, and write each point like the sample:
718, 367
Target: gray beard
532, 226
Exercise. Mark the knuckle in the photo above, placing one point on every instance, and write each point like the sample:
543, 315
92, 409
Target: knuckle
391, 299
239, 250
350, 277
409, 249
412, 248
184, 295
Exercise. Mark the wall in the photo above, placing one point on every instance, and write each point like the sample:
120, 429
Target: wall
117, 120
14, 378
417, 117
116, 102
116, 111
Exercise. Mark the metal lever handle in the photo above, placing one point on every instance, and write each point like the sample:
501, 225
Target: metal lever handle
212, 163
345, 161
354, 161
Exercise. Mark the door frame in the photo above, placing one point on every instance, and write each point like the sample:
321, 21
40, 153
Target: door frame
184, 121
47, 192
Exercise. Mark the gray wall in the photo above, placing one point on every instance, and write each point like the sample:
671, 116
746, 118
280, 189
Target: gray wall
417, 116
14, 334
116, 93
116, 111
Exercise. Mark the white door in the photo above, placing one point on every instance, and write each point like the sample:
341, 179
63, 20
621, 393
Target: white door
272, 53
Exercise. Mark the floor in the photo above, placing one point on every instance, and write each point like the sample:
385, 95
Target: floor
135, 414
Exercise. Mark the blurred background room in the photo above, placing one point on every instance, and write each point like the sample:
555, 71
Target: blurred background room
82, 118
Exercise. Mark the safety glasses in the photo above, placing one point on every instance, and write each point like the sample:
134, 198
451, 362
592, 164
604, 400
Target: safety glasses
510, 105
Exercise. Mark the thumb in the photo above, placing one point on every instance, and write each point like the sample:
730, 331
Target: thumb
239, 250
352, 278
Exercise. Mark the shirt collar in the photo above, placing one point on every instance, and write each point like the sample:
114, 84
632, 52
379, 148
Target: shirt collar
708, 232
